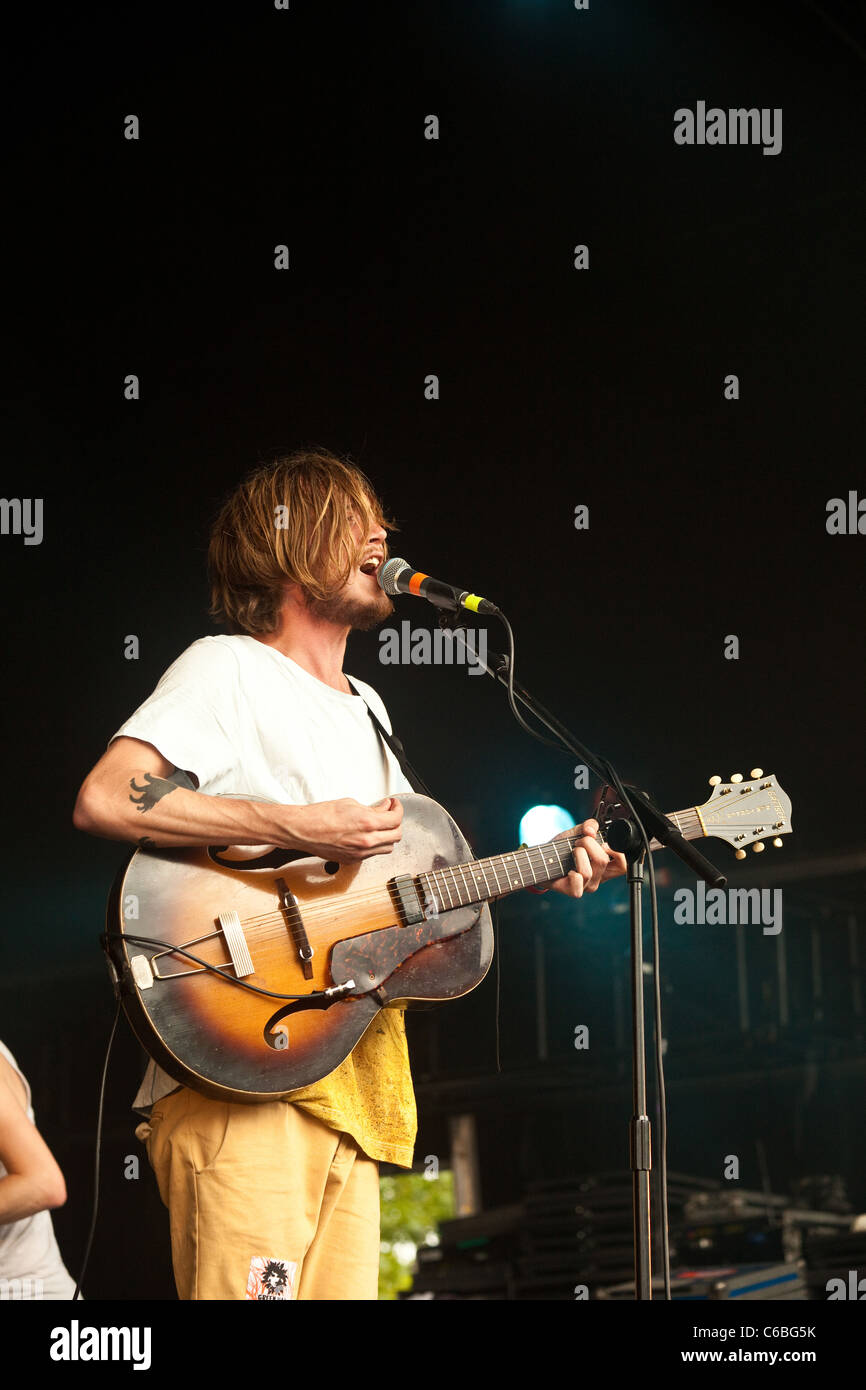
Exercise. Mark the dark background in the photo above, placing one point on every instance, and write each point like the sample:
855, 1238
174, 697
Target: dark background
558, 387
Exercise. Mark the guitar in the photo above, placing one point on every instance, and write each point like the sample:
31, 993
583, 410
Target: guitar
249, 975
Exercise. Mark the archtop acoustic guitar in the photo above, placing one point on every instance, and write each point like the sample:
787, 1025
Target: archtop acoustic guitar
247, 975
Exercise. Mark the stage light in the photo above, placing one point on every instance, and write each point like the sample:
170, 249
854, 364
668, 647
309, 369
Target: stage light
541, 823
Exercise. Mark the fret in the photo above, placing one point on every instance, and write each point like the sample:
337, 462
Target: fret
568, 845
500, 874
438, 894
529, 863
549, 860
505, 858
542, 867
565, 854
533, 868
536, 865
428, 895
492, 863
440, 876
480, 863
449, 870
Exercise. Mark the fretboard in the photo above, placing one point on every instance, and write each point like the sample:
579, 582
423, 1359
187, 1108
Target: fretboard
481, 879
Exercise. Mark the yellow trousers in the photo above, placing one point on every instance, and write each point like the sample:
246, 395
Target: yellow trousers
265, 1201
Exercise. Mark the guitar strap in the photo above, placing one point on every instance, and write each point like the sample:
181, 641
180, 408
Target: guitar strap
396, 746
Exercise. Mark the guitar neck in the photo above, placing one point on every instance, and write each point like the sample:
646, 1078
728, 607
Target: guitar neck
479, 880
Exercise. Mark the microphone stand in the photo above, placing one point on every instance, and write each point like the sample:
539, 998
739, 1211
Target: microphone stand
625, 836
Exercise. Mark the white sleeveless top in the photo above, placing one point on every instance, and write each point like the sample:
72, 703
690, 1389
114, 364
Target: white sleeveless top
31, 1266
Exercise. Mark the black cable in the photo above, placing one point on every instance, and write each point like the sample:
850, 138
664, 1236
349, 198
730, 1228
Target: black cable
96, 1164
616, 782
215, 969
498, 954
551, 743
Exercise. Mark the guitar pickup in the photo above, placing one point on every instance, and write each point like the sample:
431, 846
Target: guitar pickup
406, 898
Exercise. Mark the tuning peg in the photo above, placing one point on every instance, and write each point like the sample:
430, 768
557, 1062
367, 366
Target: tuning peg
736, 776
756, 772
758, 847
777, 843
714, 781
741, 854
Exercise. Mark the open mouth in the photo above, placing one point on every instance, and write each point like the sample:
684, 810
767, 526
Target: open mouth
370, 566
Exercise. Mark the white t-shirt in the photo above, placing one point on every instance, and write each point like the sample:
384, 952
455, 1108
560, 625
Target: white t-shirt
248, 720
31, 1266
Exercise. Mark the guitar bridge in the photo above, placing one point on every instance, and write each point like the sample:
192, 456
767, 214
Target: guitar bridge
295, 924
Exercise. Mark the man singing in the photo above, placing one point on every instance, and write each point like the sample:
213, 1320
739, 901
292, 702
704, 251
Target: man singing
279, 1199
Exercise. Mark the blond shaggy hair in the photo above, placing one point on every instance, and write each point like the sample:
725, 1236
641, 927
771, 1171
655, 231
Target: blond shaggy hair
288, 522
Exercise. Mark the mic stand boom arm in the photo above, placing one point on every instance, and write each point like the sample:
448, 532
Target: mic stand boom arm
656, 824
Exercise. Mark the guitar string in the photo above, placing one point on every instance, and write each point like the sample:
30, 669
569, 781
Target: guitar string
488, 866
271, 925
687, 821
260, 924
370, 894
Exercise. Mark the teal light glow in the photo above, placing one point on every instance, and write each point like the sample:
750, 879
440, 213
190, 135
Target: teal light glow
541, 823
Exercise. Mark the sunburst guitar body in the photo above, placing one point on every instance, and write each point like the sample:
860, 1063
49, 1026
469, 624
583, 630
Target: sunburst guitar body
291, 926
248, 974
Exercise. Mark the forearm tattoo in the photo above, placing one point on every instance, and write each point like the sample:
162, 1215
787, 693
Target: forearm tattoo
149, 795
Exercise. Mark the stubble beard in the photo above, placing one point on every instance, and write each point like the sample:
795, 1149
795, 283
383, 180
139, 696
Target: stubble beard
359, 614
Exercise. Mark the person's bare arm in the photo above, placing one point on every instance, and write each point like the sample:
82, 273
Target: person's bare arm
34, 1181
128, 796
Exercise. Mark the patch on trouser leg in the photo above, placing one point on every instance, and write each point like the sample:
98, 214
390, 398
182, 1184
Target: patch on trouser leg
270, 1280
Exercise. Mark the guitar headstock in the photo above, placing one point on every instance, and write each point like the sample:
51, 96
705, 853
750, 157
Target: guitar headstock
747, 811
743, 811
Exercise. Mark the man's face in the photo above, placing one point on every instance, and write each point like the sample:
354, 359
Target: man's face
360, 603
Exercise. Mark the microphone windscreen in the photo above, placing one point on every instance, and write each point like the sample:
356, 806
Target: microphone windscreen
388, 574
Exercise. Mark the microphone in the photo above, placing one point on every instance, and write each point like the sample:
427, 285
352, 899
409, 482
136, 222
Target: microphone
398, 577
